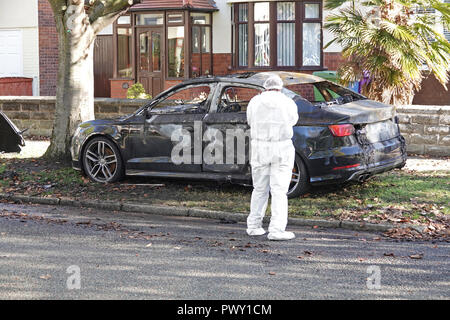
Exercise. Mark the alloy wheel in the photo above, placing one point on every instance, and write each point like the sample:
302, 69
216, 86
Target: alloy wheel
100, 161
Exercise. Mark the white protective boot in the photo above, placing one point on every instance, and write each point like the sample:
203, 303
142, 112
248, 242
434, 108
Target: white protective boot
285, 235
256, 232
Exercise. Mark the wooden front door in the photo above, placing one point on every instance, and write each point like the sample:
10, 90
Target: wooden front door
150, 59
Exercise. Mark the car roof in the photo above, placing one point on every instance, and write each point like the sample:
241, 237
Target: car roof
258, 78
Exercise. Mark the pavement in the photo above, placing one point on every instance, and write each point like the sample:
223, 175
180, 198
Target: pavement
45, 250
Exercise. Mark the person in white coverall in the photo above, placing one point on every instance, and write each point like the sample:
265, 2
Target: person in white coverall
271, 116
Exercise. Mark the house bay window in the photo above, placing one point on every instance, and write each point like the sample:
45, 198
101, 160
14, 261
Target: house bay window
262, 34
175, 52
286, 34
277, 34
201, 55
175, 45
311, 34
124, 47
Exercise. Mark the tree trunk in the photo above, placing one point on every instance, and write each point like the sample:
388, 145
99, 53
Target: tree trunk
75, 86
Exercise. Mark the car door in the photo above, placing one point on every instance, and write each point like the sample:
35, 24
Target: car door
169, 136
226, 142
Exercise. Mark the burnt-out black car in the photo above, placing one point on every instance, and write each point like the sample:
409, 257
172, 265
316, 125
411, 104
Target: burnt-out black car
340, 135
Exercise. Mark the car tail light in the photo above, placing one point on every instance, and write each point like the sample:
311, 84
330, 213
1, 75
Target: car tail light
347, 167
342, 130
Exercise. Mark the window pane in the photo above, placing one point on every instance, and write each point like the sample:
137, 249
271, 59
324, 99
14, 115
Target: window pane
149, 19
262, 44
156, 51
286, 11
286, 44
243, 44
144, 63
200, 18
311, 44
124, 52
206, 43
261, 11
175, 36
175, 18
312, 11
124, 20
195, 39
243, 12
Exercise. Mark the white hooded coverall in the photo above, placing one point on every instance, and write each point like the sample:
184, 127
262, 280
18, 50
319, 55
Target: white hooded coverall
271, 116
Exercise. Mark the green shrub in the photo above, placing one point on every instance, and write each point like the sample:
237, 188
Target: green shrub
137, 91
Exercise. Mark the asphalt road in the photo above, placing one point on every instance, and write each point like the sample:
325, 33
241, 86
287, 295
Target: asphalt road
139, 256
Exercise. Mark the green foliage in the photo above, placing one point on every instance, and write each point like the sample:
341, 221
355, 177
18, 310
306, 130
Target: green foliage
389, 42
137, 91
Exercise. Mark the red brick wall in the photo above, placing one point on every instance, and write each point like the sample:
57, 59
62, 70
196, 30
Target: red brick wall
117, 88
305, 90
332, 60
221, 63
171, 83
48, 50
432, 93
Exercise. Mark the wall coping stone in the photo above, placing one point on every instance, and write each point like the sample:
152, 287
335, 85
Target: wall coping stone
52, 99
423, 109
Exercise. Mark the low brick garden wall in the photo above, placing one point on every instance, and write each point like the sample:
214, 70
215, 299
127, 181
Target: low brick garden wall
37, 113
425, 128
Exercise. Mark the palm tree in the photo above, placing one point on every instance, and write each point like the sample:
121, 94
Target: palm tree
390, 43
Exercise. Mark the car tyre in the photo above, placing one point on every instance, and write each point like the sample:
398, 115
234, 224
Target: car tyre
300, 182
102, 161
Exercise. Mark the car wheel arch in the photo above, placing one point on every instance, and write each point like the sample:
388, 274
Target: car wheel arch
305, 162
90, 138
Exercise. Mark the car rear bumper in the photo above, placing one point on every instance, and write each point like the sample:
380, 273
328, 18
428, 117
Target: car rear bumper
363, 162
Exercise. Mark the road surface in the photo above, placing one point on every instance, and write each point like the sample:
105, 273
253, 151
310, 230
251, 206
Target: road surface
60, 252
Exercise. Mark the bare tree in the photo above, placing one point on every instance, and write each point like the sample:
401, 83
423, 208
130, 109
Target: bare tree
77, 23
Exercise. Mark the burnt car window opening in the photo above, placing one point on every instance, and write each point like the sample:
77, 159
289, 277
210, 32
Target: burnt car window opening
236, 98
187, 99
325, 93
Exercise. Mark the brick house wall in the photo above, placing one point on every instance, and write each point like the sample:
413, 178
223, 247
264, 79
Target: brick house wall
48, 49
432, 93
